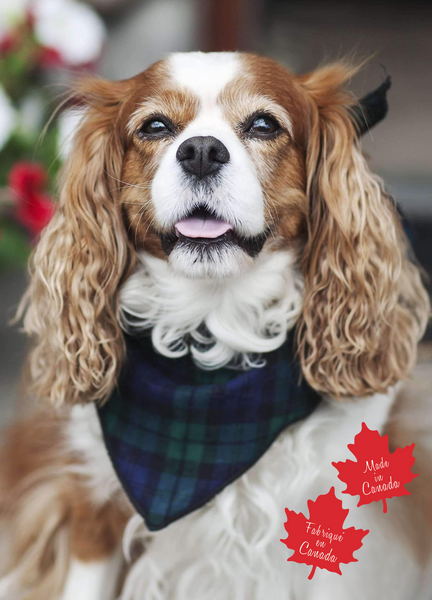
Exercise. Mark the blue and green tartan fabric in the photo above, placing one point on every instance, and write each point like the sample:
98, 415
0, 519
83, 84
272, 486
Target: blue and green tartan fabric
177, 434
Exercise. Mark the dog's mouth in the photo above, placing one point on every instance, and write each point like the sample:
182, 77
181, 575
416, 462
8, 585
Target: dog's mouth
205, 230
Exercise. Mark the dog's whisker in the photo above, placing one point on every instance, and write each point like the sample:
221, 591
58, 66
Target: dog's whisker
126, 183
133, 219
150, 224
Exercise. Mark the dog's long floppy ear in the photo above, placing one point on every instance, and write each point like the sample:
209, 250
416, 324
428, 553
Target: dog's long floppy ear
364, 303
71, 304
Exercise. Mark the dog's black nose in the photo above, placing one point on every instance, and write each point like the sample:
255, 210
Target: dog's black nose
202, 155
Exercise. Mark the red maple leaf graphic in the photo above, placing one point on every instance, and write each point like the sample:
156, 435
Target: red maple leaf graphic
321, 541
377, 474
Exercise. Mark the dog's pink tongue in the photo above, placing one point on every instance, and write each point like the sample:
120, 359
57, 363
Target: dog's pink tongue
200, 227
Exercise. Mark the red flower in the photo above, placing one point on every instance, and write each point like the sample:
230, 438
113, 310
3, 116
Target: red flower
50, 58
34, 207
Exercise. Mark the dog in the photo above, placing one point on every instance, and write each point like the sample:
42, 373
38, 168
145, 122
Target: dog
216, 203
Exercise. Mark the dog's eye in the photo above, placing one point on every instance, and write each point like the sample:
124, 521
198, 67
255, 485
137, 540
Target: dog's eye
154, 127
263, 124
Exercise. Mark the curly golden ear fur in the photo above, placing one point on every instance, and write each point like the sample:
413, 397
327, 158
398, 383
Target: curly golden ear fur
365, 307
71, 304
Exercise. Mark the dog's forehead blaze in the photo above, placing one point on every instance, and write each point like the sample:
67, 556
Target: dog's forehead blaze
205, 75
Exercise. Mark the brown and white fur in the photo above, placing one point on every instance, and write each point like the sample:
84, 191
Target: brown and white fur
334, 266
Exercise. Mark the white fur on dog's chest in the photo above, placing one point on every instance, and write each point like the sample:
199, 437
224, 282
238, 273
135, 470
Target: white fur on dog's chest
231, 548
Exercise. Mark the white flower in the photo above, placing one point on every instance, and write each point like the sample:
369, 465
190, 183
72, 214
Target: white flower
71, 28
67, 126
7, 118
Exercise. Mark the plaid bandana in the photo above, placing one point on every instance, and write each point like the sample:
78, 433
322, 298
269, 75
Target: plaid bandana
177, 435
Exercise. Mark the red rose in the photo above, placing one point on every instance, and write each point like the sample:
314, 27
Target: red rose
34, 207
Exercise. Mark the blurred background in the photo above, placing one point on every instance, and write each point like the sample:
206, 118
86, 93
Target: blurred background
45, 42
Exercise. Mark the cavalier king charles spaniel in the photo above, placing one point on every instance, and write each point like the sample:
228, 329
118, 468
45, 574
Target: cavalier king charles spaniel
213, 203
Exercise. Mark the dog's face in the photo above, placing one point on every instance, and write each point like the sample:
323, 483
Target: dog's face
215, 165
